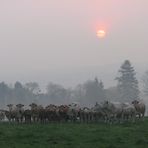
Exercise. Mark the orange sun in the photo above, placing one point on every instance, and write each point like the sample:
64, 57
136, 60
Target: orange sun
101, 33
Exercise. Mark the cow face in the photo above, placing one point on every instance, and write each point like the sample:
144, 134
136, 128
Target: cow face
135, 102
106, 104
19, 105
10, 106
33, 105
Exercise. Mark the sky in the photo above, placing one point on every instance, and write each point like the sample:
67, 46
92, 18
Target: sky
52, 40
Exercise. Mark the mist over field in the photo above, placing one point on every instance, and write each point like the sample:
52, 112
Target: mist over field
74, 73
56, 48
70, 77
68, 82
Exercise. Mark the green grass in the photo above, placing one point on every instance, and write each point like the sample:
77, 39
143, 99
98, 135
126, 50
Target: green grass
126, 135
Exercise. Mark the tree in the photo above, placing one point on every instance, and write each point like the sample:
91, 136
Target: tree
94, 91
20, 93
4, 93
56, 93
112, 93
127, 82
33, 87
145, 83
78, 95
18, 85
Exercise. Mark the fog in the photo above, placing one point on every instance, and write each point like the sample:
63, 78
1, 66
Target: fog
53, 38
55, 41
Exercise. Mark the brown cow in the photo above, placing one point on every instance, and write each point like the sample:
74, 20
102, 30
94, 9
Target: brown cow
27, 116
52, 112
63, 113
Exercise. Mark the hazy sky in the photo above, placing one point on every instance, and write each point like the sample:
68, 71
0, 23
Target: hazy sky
47, 36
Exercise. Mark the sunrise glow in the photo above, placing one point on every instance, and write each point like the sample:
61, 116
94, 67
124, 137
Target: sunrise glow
101, 33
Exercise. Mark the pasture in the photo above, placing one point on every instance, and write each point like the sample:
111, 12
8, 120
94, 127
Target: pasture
78, 135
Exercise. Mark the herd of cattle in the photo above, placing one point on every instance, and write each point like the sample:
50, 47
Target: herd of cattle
106, 111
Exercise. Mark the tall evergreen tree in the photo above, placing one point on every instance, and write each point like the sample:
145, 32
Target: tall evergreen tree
145, 83
127, 82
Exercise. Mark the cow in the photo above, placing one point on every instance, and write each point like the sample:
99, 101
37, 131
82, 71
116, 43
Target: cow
85, 114
99, 113
27, 116
42, 114
140, 107
63, 113
2, 115
129, 112
19, 113
11, 114
73, 111
34, 112
113, 111
15, 113
52, 113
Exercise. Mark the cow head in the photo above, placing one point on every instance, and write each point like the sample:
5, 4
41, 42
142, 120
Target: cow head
135, 102
10, 106
33, 105
19, 105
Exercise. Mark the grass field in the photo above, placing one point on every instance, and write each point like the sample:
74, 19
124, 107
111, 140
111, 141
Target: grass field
127, 135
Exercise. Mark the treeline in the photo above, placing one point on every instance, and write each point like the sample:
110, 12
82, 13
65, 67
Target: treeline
87, 94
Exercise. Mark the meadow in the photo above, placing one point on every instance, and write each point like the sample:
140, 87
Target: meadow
69, 135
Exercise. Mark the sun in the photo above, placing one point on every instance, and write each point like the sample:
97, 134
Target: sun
101, 33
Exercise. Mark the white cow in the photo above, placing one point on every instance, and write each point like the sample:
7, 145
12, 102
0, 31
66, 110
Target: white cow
113, 110
19, 115
140, 107
99, 113
129, 111
15, 112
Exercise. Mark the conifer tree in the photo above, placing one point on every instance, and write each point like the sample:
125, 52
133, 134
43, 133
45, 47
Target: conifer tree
127, 82
145, 83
